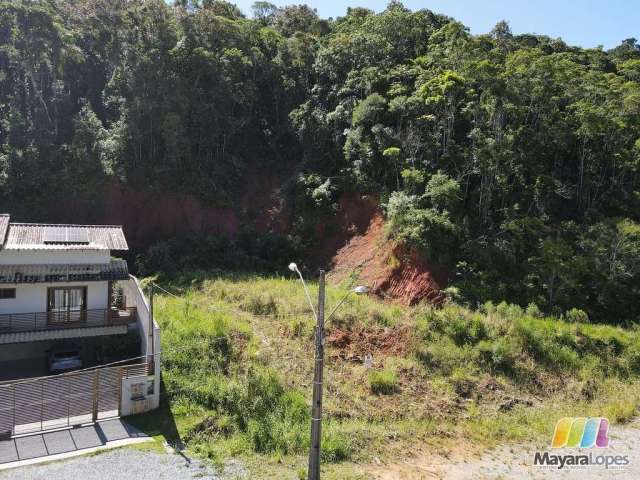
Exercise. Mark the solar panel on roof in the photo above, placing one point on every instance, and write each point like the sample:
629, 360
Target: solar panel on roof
54, 235
70, 235
77, 235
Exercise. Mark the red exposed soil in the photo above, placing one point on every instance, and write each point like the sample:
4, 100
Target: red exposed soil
356, 233
353, 345
390, 270
149, 216
354, 215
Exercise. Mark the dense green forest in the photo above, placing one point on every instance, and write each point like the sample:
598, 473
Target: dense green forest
512, 160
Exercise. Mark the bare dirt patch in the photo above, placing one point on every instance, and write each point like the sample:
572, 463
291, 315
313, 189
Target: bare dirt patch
392, 272
353, 345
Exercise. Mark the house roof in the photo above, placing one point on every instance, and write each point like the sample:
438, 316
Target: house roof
4, 225
114, 270
37, 236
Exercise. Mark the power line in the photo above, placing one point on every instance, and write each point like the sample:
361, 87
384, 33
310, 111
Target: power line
165, 291
239, 311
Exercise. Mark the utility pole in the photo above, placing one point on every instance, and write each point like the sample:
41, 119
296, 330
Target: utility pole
316, 406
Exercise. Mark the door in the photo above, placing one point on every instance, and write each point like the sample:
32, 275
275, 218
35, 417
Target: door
67, 304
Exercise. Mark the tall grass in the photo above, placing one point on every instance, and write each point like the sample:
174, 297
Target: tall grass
243, 399
507, 339
210, 370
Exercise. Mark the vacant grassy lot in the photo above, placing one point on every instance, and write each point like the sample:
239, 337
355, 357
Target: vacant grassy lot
237, 369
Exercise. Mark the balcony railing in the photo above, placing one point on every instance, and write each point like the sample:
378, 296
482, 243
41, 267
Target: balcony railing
39, 321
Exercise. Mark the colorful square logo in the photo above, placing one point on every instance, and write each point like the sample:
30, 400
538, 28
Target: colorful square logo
581, 432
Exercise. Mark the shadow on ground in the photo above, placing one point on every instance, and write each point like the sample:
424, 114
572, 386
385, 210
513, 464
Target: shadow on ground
65, 441
159, 422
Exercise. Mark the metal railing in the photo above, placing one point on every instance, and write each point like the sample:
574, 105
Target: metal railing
39, 321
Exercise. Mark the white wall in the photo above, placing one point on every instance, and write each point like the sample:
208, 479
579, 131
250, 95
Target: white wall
32, 297
132, 406
43, 257
133, 292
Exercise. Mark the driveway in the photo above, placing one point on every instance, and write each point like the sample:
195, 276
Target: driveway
128, 464
53, 445
515, 462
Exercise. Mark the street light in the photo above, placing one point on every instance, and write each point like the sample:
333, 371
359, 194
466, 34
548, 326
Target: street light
294, 268
361, 290
318, 370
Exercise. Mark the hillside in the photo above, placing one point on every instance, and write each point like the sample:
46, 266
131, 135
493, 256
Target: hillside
486, 187
506, 163
444, 383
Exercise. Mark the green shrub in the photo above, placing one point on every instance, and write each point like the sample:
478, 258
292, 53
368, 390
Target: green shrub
508, 310
464, 330
258, 305
383, 382
489, 308
452, 294
248, 252
443, 354
336, 447
377, 317
272, 434
497, 354
546, 343
575, 315
274, 418
533, 310
633, 354
299, 326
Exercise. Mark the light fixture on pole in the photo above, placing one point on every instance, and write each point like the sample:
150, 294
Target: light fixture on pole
294, 268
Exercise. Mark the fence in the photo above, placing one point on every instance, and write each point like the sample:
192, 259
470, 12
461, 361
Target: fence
38, 321
65, 400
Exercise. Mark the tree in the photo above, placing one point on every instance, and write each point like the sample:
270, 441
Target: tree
513, 160
296, 18
264, 12
502, 35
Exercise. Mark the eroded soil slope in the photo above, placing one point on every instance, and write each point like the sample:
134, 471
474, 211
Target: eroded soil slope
390, 270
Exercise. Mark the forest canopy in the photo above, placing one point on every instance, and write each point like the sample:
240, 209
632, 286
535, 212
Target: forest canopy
511, 160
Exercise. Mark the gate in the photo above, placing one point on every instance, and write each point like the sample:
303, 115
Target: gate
58, 401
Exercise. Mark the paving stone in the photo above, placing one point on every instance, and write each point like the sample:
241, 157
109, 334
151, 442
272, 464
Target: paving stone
63, 441
8, 452
31, 447
59, 442
87, 437
114, 430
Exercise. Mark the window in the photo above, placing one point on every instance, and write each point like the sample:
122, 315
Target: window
66, 304
7, 293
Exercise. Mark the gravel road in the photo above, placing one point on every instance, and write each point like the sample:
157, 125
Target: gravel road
515, 462
124, 464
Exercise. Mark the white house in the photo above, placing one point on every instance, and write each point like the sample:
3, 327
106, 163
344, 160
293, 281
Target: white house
60, 285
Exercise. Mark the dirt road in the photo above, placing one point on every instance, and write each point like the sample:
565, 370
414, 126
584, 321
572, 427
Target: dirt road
516, 462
